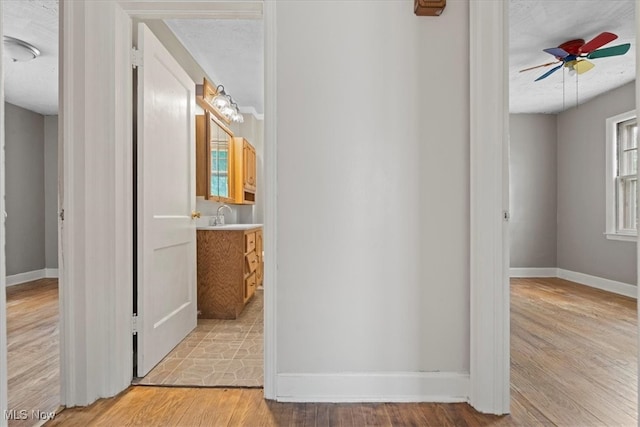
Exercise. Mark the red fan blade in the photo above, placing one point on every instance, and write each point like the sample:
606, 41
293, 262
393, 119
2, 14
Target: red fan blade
598, 41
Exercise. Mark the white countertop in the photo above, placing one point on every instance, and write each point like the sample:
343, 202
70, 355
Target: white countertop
229, 227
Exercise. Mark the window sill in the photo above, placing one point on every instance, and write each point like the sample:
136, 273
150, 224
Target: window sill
622, 237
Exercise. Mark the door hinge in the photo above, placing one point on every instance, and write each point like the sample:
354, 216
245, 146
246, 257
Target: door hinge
134, 324
506, 215
136, 58
62, 215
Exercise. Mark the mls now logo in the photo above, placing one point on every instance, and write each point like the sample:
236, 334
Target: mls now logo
16, 415
23, 414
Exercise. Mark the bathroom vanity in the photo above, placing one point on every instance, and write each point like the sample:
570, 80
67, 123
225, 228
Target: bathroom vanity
230, 268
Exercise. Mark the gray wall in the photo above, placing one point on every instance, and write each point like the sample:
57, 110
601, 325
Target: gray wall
51, 191
582, 246
532, 191
25, 199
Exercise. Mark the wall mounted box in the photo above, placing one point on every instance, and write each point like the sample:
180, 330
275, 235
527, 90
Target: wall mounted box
429, 7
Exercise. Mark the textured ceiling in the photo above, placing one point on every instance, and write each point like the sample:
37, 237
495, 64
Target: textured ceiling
230, 52
33, 85
536, 25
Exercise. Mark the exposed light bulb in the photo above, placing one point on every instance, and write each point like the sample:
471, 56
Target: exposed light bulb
227, 111
220, 101
237, 117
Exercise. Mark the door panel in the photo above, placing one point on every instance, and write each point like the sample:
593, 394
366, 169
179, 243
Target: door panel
166, 198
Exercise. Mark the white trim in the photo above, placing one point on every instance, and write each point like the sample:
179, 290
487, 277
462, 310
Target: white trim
270, 201
613, 286
374, 387
193, 9
252, 111
4, 401
489, 249
30, 276
534, 272
638, 242
96, 281
621, 237
608, 285
610, 182
51, 273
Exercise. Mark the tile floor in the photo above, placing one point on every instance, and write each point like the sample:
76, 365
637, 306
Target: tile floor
217, 353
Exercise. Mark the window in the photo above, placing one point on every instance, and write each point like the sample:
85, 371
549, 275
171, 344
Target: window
622, 177
220, 172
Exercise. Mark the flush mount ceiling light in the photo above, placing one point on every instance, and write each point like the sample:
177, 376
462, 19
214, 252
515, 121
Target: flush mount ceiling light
227, 107
19, 50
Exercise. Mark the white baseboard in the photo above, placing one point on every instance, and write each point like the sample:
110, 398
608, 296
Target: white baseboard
30, 276
51, 273
534, 272
619, 288
374, 387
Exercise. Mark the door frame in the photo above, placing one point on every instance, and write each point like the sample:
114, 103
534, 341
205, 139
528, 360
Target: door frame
243, 10
489, 388
97, 286
4, 400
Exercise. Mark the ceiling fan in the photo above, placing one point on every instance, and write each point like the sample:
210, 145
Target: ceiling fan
573, 54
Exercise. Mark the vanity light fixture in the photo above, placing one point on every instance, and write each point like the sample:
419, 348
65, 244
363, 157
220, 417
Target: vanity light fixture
224, 103
19, 50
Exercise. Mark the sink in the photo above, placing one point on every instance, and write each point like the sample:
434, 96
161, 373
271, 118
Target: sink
229, 227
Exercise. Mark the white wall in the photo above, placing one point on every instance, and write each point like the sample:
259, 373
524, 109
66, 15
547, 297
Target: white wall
373, 193
533, 190
582, 245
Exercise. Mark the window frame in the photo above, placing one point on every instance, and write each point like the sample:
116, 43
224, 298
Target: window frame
612, 179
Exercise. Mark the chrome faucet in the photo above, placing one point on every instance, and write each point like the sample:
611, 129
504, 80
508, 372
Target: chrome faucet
218, 219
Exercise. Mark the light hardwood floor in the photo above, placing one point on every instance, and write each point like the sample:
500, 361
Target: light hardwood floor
33, 348
573, 357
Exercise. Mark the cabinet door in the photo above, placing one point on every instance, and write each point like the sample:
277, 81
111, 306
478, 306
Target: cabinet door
202, 158
259, 248
249, 166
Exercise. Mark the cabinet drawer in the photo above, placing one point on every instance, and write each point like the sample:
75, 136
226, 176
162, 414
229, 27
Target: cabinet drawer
249, 286
252, 261
250, 242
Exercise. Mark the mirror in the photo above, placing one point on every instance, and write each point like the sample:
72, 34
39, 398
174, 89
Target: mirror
219, 160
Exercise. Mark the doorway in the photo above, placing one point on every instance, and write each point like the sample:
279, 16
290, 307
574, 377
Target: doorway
31, 190
559, 251
219, 351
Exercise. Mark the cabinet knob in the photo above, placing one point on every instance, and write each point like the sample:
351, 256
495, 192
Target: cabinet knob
195, 214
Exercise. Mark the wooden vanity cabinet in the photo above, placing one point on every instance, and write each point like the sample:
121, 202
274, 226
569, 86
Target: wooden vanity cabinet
244, 171
259, 252
229, 271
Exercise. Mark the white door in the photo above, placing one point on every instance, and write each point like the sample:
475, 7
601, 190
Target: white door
166, 199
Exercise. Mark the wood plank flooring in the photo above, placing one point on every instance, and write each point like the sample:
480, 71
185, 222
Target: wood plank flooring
33, 348
573, 358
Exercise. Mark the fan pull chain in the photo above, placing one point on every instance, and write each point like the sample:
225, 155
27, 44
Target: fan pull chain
576, 90
563, 85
